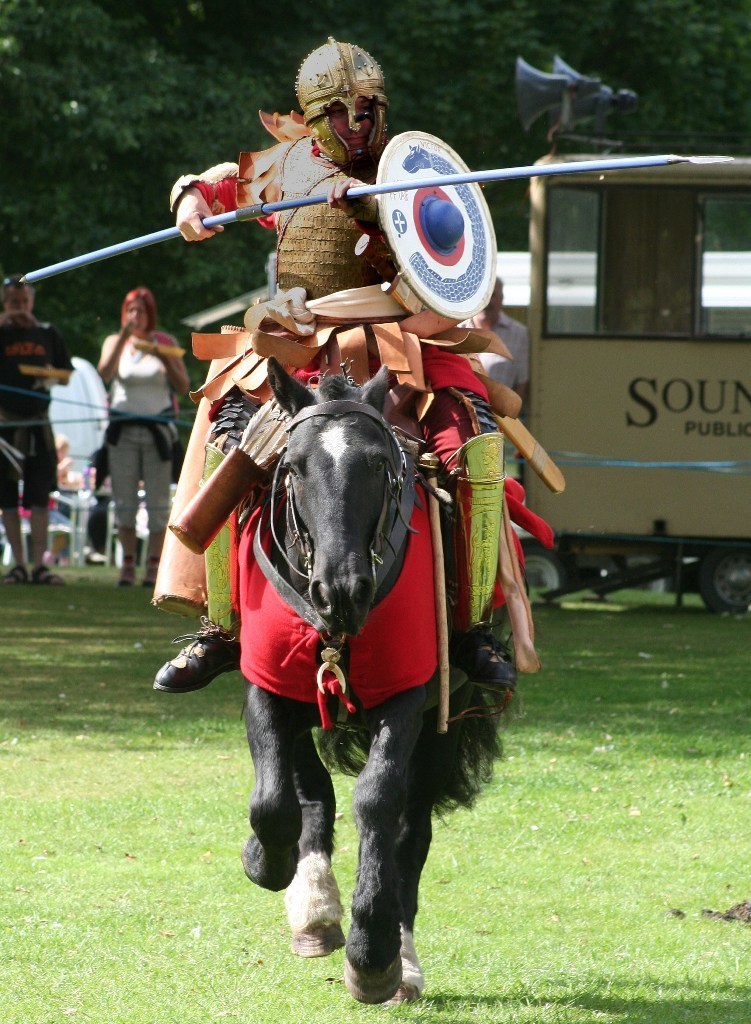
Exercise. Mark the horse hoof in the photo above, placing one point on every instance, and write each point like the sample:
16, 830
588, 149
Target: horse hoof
318, 941
247, 859
406, 993
371, 986
273, 877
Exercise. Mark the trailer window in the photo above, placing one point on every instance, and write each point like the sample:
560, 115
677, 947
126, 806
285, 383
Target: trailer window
648, 260
573, 232
620, 261
725, 308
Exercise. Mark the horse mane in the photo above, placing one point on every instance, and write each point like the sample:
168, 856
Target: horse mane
373, 392
335, 386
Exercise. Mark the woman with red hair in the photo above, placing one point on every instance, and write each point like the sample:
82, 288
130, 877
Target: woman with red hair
144, 376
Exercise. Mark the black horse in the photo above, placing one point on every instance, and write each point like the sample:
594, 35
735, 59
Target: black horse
345, 540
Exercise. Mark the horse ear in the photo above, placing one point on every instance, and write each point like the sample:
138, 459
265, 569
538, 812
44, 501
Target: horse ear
375, 390
289, 393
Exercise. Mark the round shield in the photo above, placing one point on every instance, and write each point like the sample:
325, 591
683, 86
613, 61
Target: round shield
441, 237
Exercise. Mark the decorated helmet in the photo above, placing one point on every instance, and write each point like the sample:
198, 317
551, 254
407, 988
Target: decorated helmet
341, 72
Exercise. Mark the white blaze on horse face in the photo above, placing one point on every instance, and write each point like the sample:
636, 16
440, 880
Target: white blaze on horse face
334, 441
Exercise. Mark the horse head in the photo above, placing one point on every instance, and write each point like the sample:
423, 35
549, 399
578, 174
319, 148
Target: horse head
417, 159
343, 466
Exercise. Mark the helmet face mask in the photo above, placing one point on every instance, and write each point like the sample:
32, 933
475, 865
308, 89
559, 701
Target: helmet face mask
340, 73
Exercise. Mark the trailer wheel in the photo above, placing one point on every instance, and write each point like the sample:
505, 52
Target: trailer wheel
543, 569
725, 579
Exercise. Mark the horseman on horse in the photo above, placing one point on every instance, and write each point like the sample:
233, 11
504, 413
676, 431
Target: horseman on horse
330, 312
308, 542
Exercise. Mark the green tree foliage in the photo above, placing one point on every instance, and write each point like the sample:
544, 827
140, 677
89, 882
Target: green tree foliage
105, 104
99, 118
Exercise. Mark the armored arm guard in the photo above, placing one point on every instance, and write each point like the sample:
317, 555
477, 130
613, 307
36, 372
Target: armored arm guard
477, 529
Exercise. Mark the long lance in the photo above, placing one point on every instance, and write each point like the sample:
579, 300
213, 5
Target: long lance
361, 191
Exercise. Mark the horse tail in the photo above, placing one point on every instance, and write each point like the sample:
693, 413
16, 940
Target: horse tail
344, 750
453, 767
472, 746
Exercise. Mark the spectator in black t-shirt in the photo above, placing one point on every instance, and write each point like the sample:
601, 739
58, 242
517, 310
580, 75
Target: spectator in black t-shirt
28, 351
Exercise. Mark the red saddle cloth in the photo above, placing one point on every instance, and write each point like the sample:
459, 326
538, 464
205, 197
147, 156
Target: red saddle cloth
395, 651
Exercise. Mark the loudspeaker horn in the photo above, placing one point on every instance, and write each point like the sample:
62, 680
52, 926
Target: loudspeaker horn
567, 96
589, 98
538, 92
585, 86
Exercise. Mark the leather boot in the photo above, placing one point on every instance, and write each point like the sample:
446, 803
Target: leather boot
485, 659
207, 654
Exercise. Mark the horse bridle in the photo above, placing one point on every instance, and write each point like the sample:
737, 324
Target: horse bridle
391, 527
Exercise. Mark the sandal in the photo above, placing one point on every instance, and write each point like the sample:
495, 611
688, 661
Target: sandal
127, 573
49, 579
150, 577
17, 574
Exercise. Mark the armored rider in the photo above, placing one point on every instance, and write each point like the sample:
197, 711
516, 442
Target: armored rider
323, 250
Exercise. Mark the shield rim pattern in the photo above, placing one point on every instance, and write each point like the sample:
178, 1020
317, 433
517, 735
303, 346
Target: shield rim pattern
386, 203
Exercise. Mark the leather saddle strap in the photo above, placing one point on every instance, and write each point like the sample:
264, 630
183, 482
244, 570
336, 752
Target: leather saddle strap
284, 589
395, 538
350, 348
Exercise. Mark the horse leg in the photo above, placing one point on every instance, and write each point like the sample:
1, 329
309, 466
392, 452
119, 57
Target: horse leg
411, 853
313, 903
373, 968
272, 724
433, 760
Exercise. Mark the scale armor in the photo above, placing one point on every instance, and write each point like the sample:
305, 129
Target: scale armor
316, 244
230, 422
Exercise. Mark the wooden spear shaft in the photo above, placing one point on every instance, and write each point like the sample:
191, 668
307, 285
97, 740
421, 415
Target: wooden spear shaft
429, 464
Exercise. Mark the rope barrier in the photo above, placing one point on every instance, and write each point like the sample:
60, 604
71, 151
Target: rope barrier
734, 466
91, 406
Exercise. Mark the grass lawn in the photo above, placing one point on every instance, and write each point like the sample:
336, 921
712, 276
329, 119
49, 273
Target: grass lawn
572, 893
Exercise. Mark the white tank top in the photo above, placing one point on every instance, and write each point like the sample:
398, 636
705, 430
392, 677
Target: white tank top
140, 385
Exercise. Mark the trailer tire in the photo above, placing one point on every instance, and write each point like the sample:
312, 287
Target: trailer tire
725, 579
543, 569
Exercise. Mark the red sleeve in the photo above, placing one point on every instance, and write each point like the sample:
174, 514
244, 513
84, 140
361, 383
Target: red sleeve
445, 369
525, 517
369, 227
221, 196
